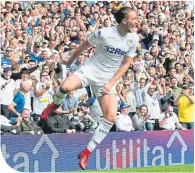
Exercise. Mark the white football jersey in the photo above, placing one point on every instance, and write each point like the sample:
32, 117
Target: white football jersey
111, 48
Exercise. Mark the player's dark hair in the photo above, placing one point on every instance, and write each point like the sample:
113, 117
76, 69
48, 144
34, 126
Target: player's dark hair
121, 13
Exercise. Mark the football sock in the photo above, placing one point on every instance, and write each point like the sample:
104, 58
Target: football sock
59, 96
99, 134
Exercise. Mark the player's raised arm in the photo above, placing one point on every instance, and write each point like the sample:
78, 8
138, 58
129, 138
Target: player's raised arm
93, 39
83, 46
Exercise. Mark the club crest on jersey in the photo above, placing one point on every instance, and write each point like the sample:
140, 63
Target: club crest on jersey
129, 43
99, 32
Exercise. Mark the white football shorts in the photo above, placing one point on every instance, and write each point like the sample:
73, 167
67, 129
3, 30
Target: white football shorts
89, 74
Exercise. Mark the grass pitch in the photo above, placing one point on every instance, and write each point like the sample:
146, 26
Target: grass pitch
176, 168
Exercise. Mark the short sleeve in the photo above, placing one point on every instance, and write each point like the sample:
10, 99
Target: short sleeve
96, 38
132, 50
17, 99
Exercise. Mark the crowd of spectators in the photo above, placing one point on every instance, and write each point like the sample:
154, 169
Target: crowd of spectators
37, 38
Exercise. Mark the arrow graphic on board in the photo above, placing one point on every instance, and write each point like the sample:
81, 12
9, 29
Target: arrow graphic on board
173, 137
55, 155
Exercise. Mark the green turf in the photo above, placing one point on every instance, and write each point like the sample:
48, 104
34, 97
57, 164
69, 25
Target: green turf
176, 168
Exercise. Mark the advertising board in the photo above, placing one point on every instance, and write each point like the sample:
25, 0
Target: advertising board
58, 152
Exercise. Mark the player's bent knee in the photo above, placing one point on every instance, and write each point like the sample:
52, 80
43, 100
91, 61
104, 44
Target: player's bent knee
62, 90
65, 89
71, 83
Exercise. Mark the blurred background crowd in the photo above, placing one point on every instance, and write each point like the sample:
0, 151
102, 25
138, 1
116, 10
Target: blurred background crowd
37, 38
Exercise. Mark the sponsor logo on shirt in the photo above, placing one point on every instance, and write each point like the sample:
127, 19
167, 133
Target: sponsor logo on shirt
113, 50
